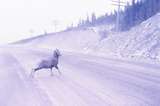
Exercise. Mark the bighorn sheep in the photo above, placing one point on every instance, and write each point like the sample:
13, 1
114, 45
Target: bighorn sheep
50, 63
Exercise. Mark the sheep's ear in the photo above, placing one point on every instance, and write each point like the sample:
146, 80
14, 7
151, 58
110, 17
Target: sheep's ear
58, 52
56, 49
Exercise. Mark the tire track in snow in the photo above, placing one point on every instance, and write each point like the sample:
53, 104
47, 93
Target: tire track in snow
31, 84
113, 80
66, 87
118, 75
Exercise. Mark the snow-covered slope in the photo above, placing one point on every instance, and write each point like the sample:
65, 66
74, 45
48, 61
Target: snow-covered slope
74, 40
145, 39
141, 41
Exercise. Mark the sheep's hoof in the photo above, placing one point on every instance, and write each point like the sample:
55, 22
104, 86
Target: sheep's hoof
59, 73
31, 75
52, 75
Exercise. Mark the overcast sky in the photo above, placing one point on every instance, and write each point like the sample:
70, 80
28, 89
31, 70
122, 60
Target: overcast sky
26, 18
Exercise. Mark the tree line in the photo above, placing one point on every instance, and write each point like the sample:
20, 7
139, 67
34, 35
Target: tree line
132, 15
138, 12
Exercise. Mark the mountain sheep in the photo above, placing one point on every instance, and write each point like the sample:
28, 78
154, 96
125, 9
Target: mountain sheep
50, 63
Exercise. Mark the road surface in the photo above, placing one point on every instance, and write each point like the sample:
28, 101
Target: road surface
85, 81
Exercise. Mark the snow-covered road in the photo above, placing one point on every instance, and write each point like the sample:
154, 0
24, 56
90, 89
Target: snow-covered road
85, 81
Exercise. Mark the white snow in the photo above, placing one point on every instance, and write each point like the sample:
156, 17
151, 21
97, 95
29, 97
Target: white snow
74, 40
85, 81
142, 41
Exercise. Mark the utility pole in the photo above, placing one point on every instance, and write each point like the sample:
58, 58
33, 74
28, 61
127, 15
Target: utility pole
119, 4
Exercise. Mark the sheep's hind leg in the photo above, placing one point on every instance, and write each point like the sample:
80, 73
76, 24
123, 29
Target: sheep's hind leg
51, 71
33, 72
58, 69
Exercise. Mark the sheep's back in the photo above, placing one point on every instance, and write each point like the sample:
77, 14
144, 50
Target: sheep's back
54, 62
45, 64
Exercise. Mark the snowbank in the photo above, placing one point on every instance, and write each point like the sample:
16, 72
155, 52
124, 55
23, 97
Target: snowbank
142, 41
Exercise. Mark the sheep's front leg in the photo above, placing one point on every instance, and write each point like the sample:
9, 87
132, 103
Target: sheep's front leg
51, 71
58, 69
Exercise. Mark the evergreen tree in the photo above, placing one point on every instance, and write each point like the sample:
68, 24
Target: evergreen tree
138, 12
93, 19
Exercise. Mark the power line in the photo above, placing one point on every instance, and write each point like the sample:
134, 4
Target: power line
119, 4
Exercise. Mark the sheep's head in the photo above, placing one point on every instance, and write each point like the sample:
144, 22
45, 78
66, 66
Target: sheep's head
57, 53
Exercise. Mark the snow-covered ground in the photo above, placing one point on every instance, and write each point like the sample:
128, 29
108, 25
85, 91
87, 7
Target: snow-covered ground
92, 74
142, 41
85, 81
81, 40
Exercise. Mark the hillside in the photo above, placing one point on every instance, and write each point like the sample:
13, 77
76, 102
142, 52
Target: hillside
142, 41
73, 40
